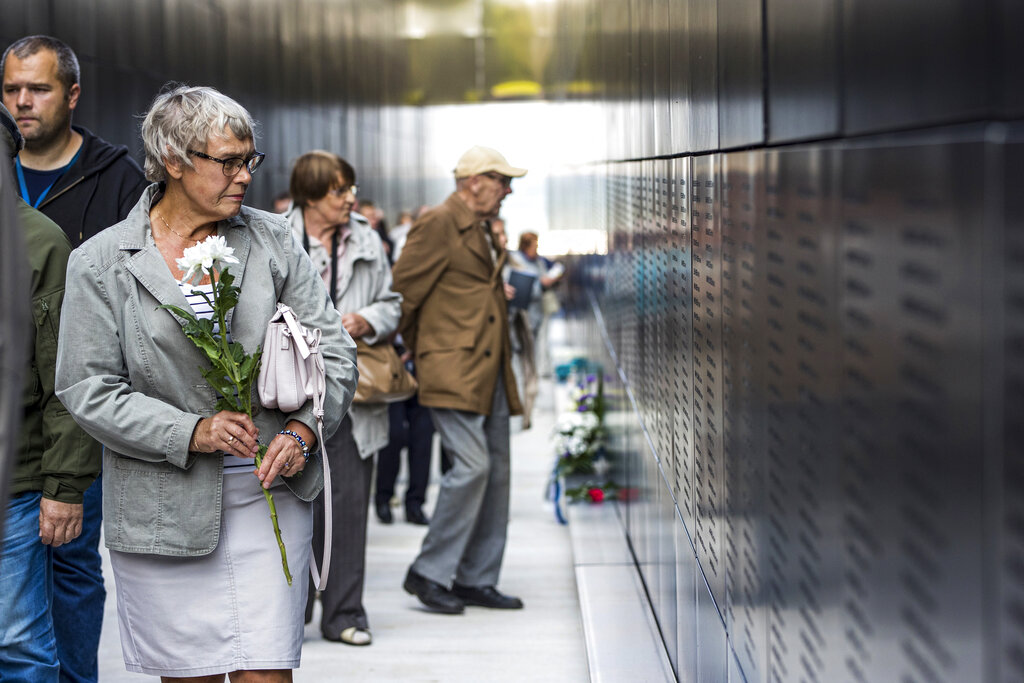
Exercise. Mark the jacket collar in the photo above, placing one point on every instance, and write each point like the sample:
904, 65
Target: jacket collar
466, 219
145, 262
359, 245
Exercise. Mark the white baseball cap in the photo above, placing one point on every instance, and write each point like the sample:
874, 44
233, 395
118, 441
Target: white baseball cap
479, 160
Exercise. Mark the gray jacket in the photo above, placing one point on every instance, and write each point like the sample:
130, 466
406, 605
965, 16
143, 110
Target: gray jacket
131, 378
363, 284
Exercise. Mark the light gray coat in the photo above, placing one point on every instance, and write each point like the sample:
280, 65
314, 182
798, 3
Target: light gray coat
130, 377
363, 285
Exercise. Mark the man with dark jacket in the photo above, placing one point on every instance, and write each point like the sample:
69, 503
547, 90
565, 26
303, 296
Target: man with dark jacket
56, 462
84, 184
455, 323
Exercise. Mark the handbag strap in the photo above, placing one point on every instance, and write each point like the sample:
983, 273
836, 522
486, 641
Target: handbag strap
320, 575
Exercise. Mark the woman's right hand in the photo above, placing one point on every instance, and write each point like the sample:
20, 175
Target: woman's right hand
233, 433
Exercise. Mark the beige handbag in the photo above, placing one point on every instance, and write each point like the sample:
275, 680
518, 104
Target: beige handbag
291, 373
382, 375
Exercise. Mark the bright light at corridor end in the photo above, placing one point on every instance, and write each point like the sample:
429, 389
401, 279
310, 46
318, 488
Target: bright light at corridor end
561, 242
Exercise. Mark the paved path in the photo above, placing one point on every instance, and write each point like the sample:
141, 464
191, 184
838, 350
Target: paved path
543, 642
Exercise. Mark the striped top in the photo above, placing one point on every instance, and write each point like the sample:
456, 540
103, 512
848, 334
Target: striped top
202, 309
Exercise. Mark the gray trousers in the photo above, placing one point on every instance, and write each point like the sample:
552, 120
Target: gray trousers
350, 490
466, 540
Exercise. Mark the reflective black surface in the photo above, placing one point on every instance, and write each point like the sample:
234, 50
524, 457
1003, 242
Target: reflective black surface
815, 347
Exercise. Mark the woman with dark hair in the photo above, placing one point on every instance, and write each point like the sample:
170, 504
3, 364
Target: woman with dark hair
349, 256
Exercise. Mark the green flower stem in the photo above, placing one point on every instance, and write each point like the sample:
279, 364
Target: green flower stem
273, 517
223, 331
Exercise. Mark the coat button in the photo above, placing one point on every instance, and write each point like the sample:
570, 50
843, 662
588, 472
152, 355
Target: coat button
490, 319
487, 352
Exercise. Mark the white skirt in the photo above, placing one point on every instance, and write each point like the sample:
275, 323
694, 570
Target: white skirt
227, 611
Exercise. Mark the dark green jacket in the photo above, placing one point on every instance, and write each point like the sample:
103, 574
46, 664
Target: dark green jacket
54, 455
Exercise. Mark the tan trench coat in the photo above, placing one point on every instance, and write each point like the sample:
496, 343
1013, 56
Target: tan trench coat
453, 311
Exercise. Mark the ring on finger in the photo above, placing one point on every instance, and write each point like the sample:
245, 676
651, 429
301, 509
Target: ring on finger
286, 465
231, 439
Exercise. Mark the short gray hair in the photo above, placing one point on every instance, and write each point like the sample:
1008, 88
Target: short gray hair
184, 117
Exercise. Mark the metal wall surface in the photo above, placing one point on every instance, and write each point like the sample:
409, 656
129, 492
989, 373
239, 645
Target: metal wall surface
810, 315
813, 333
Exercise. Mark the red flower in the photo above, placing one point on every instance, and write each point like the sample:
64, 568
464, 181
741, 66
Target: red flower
596, 495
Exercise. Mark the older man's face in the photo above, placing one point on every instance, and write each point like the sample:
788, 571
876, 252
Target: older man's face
489, 189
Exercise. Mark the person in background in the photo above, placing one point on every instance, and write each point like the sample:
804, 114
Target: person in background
84, 184
399, 233
455, 324
411, 430
372, 213
349, 256
196, 563
56, 462
548, 274
282, 202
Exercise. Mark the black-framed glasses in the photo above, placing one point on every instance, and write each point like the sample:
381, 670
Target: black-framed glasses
503, 179
344, 190
232, 165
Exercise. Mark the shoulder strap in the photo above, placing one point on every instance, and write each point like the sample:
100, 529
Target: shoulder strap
320, 575
319, 395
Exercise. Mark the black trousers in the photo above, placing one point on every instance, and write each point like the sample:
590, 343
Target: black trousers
350, 487
410, 426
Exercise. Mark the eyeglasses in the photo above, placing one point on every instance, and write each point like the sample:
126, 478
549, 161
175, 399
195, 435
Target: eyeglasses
503, 179
344, 190
232, 165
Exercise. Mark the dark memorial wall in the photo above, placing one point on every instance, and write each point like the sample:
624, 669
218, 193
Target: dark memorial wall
810, 320
810, 315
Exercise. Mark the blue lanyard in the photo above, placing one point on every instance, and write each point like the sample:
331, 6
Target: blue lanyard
42, 195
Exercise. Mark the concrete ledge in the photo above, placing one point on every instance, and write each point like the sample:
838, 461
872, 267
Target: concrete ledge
623, 643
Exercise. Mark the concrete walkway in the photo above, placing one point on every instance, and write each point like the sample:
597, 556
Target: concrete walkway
543, 642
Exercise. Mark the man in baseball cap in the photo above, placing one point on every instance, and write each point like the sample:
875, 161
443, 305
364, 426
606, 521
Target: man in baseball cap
455, 323
479, 160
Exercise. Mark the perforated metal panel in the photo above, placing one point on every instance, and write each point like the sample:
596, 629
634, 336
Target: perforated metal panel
801, 418
911, 323
680, 344
743, 332
708, 459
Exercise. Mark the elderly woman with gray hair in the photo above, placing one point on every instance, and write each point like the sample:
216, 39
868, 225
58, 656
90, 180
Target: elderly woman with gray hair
200, 591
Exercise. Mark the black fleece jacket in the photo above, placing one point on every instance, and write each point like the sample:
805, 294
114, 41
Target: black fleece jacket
97, 192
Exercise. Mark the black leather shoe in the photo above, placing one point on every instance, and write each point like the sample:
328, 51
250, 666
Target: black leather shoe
486, 596
416, 516
432, 594
384, 513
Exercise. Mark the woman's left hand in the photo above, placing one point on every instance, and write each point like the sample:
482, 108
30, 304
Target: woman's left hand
284, 456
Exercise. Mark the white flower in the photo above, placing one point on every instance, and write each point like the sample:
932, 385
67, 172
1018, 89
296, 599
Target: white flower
577, 445
196, 260
589, 420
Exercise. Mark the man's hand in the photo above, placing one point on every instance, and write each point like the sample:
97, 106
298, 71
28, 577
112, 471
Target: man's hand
510, 291
356, 325
59, 523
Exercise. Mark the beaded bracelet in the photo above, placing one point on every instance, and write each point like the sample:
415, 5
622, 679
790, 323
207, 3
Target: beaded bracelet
302, 442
